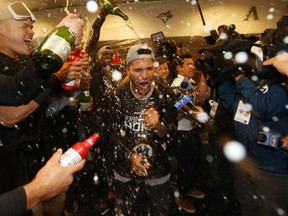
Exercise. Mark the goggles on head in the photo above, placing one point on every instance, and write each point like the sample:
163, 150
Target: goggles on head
20, 11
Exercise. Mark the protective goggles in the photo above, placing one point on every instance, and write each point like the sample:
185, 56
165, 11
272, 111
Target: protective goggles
20, 11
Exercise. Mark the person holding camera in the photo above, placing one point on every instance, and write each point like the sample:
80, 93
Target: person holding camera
280, 62
257, 101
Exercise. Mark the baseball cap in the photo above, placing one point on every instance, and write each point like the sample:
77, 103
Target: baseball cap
139, 51
104, 49
16, 10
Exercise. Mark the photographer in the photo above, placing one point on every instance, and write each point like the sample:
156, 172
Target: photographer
257, 101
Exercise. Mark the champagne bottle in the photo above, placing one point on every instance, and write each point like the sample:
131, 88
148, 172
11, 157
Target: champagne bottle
53, 51
85, 101
112, 8
78, 151
71, 84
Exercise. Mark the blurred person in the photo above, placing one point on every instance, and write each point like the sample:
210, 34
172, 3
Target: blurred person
216, 133
63, 117
20, 142
168, 49
141, 117
257, 101
280, 62
95, 120
51, 180
264, 173
187, 143
162, 71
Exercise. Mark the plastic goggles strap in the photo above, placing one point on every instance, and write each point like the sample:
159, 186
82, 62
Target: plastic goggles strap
20, 11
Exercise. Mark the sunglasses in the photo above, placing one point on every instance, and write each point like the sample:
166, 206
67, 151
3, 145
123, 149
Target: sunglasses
20, 11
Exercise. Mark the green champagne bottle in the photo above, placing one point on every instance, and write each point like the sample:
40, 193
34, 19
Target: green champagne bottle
85, 101
53, 51
112, 8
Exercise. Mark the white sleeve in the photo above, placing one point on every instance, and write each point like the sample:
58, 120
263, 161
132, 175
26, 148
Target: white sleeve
176, 82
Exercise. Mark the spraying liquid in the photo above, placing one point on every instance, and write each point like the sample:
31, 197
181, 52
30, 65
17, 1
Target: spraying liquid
66, 8
130, 25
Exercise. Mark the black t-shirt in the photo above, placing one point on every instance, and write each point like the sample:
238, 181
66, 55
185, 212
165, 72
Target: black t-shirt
13, 202
18, 81
21, 142
130, 134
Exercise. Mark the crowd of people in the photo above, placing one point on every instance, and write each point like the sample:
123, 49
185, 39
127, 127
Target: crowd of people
149, 119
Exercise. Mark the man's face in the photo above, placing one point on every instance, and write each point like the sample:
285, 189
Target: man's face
141, 73
188, 68
16, 37
162, 71
106, 58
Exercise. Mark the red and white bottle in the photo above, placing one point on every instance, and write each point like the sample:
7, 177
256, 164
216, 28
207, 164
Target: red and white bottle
71, 84
78, 151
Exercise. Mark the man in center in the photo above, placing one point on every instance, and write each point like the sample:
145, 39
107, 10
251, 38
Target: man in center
142, 115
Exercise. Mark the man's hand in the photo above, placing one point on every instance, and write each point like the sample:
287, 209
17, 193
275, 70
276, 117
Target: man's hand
151, 118
85, 83
51, 180
285, 143
74, 69
75, 24
280, 62
70, 71
139, 164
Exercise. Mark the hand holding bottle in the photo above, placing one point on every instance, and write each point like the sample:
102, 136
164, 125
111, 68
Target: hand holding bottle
85, 83
110, 6
55, 49
81, 58
51, 180
78, 151
75, 24
70, 71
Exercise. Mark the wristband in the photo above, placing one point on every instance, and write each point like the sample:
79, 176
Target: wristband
53, 83
43, 96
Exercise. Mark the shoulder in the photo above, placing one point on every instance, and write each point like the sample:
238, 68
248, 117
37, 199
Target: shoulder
177, 81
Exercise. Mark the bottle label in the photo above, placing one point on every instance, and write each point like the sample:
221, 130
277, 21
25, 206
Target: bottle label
69, 85
84, 106
59, 46
70, 157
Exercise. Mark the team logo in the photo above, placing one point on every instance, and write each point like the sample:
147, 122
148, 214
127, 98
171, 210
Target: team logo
144, 149
264, 89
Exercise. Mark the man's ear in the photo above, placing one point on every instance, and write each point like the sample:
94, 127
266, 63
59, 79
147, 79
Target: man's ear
127, 70
1, 26
178, 68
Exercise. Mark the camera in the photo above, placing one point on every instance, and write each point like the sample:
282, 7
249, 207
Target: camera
205, 65
212, 62
268, 139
